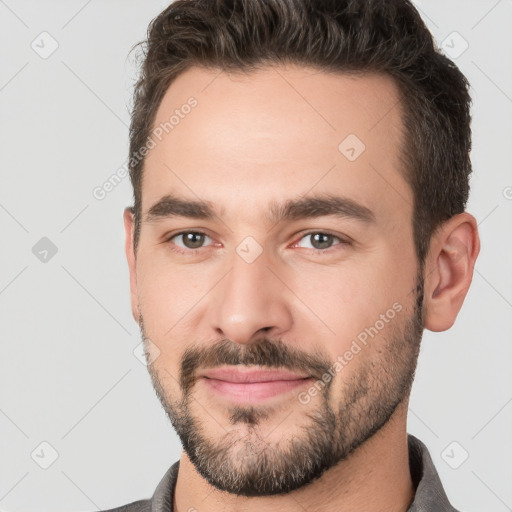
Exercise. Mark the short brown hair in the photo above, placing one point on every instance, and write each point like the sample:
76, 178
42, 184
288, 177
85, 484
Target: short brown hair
384, 36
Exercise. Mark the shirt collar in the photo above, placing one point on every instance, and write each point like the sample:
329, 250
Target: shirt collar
429, 496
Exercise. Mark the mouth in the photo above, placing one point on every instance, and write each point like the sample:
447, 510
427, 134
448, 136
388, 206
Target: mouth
249, 385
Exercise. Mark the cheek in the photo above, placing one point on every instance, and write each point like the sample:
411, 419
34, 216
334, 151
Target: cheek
336, 297
167, 293
165, 375
360, 301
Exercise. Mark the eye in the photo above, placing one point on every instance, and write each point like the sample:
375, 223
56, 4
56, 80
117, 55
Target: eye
321, 241
188, 241
191, 241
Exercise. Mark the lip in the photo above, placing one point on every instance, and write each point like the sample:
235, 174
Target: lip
245, 375
249, 386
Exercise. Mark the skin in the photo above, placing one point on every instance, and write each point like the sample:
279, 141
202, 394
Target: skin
266, 137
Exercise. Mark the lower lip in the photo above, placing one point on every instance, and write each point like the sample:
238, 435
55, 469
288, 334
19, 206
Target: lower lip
253, 392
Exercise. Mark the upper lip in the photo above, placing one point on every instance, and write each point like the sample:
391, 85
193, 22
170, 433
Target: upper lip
250, 375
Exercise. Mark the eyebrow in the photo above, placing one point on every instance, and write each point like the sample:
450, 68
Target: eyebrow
293, 209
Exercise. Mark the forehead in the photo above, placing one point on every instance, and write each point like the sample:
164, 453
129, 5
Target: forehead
277, 132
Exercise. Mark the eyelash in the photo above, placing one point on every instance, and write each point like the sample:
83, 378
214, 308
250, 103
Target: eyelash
309, 233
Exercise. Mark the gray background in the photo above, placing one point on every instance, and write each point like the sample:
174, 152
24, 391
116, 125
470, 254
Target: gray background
69, 376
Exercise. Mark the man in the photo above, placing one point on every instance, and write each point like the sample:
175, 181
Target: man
300, 173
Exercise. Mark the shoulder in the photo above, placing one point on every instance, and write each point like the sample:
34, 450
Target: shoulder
162, 499
136, 506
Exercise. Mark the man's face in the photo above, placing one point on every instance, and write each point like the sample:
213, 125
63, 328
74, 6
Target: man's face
329, 298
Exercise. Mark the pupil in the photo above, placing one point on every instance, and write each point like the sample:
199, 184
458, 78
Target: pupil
323, 244
194, 240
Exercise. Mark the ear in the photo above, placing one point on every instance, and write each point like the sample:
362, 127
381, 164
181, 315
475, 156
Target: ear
449, 270
129, 227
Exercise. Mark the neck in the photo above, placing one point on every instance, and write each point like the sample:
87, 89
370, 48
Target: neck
375, 476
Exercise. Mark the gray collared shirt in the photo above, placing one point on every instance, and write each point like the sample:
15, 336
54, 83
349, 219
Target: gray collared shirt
429, 495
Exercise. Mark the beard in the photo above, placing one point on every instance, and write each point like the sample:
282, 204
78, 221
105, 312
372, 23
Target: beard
245, 463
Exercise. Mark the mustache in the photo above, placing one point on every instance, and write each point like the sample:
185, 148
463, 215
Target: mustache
266, 353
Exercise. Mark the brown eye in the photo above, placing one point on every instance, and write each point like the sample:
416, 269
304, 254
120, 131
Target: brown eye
321, 241
189, 240
193, 240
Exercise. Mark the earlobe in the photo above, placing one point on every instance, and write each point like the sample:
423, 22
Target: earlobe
449, 270
131, 259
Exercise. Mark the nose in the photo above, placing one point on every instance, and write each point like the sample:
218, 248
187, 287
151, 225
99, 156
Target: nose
251, 301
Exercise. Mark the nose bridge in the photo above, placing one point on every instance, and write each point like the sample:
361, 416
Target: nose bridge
250, 298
